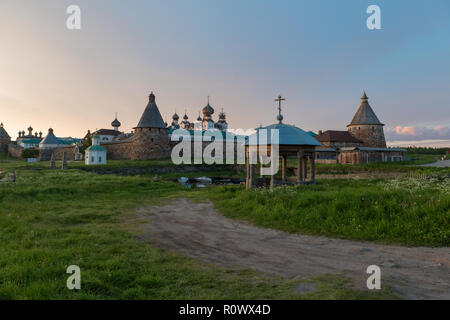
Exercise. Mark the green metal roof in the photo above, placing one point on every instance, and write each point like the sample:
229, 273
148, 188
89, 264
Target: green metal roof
31, 141
288, 135
69, 140
96, 148
209, 133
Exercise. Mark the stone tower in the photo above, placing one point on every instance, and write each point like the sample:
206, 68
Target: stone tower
5, 139
366, 127
151, 137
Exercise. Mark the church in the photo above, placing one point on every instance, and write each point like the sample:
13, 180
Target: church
151, 138
202, 123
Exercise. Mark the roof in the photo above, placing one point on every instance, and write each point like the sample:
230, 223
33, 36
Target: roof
151, 118
337, 136
95, 148
50, 138
326, 149
288, 135
69, 140
365, 114
107, 132
210, 133
373, 149
31, 141
3, 133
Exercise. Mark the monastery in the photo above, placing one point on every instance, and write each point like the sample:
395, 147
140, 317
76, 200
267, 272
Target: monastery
362, 142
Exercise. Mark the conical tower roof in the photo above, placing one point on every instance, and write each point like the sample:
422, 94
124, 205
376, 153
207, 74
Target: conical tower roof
151, 118
3, 133
365, 114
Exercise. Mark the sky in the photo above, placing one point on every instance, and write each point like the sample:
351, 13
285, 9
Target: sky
318, 54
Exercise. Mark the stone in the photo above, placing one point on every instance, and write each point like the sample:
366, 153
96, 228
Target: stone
52, 161
305, 287
64, 163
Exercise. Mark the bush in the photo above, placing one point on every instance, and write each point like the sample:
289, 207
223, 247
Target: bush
30, 153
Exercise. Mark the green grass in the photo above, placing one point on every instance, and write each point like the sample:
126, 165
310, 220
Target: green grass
403, 166
411, 211
51, 219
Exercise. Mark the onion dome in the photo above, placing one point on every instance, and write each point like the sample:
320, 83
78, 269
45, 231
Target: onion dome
222, 115
175, 117
208, 110
199, 118
185, 117
116, 123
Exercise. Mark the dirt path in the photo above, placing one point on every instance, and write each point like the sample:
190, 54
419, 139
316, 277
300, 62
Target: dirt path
200, 231
439, 164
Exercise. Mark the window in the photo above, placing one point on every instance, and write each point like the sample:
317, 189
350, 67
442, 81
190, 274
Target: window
100, 159
92, 159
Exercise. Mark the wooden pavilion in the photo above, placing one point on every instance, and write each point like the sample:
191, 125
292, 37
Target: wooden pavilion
284, 141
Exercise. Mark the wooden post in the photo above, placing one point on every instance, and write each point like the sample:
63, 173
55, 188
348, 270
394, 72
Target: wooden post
251, 182
272, 181
52, 161
305, 167
313, 168
247, 178
299, 166
283, 168
64, 163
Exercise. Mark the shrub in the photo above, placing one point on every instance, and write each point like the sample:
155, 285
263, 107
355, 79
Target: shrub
30, 153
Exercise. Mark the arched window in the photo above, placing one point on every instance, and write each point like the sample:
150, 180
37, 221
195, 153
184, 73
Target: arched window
100, 159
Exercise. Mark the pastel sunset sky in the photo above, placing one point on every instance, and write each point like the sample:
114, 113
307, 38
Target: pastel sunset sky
318, 54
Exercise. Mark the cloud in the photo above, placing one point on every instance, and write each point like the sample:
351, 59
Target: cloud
409, 133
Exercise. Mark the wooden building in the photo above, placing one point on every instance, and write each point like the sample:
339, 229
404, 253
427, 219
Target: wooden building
283, 141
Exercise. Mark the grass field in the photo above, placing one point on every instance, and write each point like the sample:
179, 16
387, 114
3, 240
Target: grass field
409, 211
50, 219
